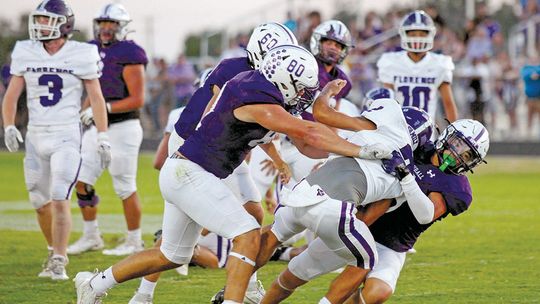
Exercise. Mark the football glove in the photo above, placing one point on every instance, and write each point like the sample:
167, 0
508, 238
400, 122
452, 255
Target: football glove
104, 149
12, 138
396, 166
375, 151
87, 116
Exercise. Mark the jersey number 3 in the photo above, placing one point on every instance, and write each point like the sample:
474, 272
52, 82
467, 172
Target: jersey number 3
55, 84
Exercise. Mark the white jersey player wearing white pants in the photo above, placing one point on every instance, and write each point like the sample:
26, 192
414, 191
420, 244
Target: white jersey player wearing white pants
54, 71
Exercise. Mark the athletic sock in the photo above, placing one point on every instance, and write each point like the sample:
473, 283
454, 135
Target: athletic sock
147, 287
134, 235
103, 281
90, 227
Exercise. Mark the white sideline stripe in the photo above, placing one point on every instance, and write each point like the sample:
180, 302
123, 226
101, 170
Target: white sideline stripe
108, 223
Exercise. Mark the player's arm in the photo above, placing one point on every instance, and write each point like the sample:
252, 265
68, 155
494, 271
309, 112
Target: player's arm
388, 86
133, 75
9, 104
162, 151
274, 117
283, 168
370, 213
448, 102
324, 113
97, 102
210, 105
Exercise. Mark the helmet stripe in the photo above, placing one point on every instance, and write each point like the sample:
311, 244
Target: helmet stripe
106, 13
286, 30
480, 134
42, 5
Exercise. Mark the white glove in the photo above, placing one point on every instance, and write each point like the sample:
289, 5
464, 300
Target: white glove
375, 151
104, 149
12, 138
87, 116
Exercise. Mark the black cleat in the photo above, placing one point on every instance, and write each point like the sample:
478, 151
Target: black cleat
219, 297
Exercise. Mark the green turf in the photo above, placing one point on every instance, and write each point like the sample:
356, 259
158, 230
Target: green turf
488, 255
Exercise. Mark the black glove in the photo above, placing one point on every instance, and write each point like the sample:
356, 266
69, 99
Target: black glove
396, 166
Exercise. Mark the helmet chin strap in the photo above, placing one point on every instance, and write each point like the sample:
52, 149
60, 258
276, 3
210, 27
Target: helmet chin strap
447, 160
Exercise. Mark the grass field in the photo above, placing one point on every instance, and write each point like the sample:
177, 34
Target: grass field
490, 254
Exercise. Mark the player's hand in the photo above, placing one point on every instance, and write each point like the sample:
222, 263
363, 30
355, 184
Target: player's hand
375, 151
104, 149
284, 173
87, 116
334, 87
12, 138
268, 167
270, 201
396, 166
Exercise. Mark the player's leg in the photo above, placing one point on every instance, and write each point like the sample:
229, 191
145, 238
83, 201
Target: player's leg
282, 287
126, 138
87, 198
35, 171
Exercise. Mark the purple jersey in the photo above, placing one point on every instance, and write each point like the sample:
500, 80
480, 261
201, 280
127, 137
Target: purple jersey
223, 72
336, 73
115, 57
222, 141
324, 78
399, 229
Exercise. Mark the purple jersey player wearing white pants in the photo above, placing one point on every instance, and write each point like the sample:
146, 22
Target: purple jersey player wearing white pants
251, 107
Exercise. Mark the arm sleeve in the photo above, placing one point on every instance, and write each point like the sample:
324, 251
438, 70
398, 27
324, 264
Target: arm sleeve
448, 69
17, 67
90, 66
421, 205
383, 70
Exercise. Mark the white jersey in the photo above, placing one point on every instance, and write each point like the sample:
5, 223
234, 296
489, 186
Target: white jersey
173, 118
416, 83
392, 130
54, 84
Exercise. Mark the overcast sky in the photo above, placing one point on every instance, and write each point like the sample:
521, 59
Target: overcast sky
162, 25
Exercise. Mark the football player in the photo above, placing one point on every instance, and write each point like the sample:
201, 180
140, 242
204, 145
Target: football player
123, 86
250, 108
54, 71
416, 74
321, 204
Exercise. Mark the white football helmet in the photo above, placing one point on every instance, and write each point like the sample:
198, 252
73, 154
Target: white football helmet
332, 30
294, 71
265, 37
462, 146
61, 21
117, 13
417, 21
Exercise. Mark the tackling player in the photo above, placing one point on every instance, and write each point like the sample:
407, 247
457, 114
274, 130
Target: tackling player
123, 86
54, 71
416, 74
251, 107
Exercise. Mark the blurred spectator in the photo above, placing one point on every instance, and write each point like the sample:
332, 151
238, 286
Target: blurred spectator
530, 73
477, 74
237, 47
291, 23
529, 8
181, 75
507, 88
479, 44
310, 22
157, 90
373, 26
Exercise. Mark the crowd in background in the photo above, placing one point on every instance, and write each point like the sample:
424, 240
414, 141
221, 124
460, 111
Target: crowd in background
488, 84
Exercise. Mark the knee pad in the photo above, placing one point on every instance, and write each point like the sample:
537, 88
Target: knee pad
90, 199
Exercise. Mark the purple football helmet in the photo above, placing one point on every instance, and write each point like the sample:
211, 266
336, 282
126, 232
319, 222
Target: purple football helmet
417, 21
421, 126
60, 21
332, 30
377, 93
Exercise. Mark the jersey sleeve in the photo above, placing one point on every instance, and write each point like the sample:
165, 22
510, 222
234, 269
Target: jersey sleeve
383, 69
133, 54
448, 69
173, 118
384, 112
88, 65
17, 59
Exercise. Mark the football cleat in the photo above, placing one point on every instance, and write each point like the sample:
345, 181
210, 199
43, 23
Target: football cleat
126, 248
57, 267
278, 252
183, 270
86, 243
46, 271
141, 298
219, 297
85, 293
254, 295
